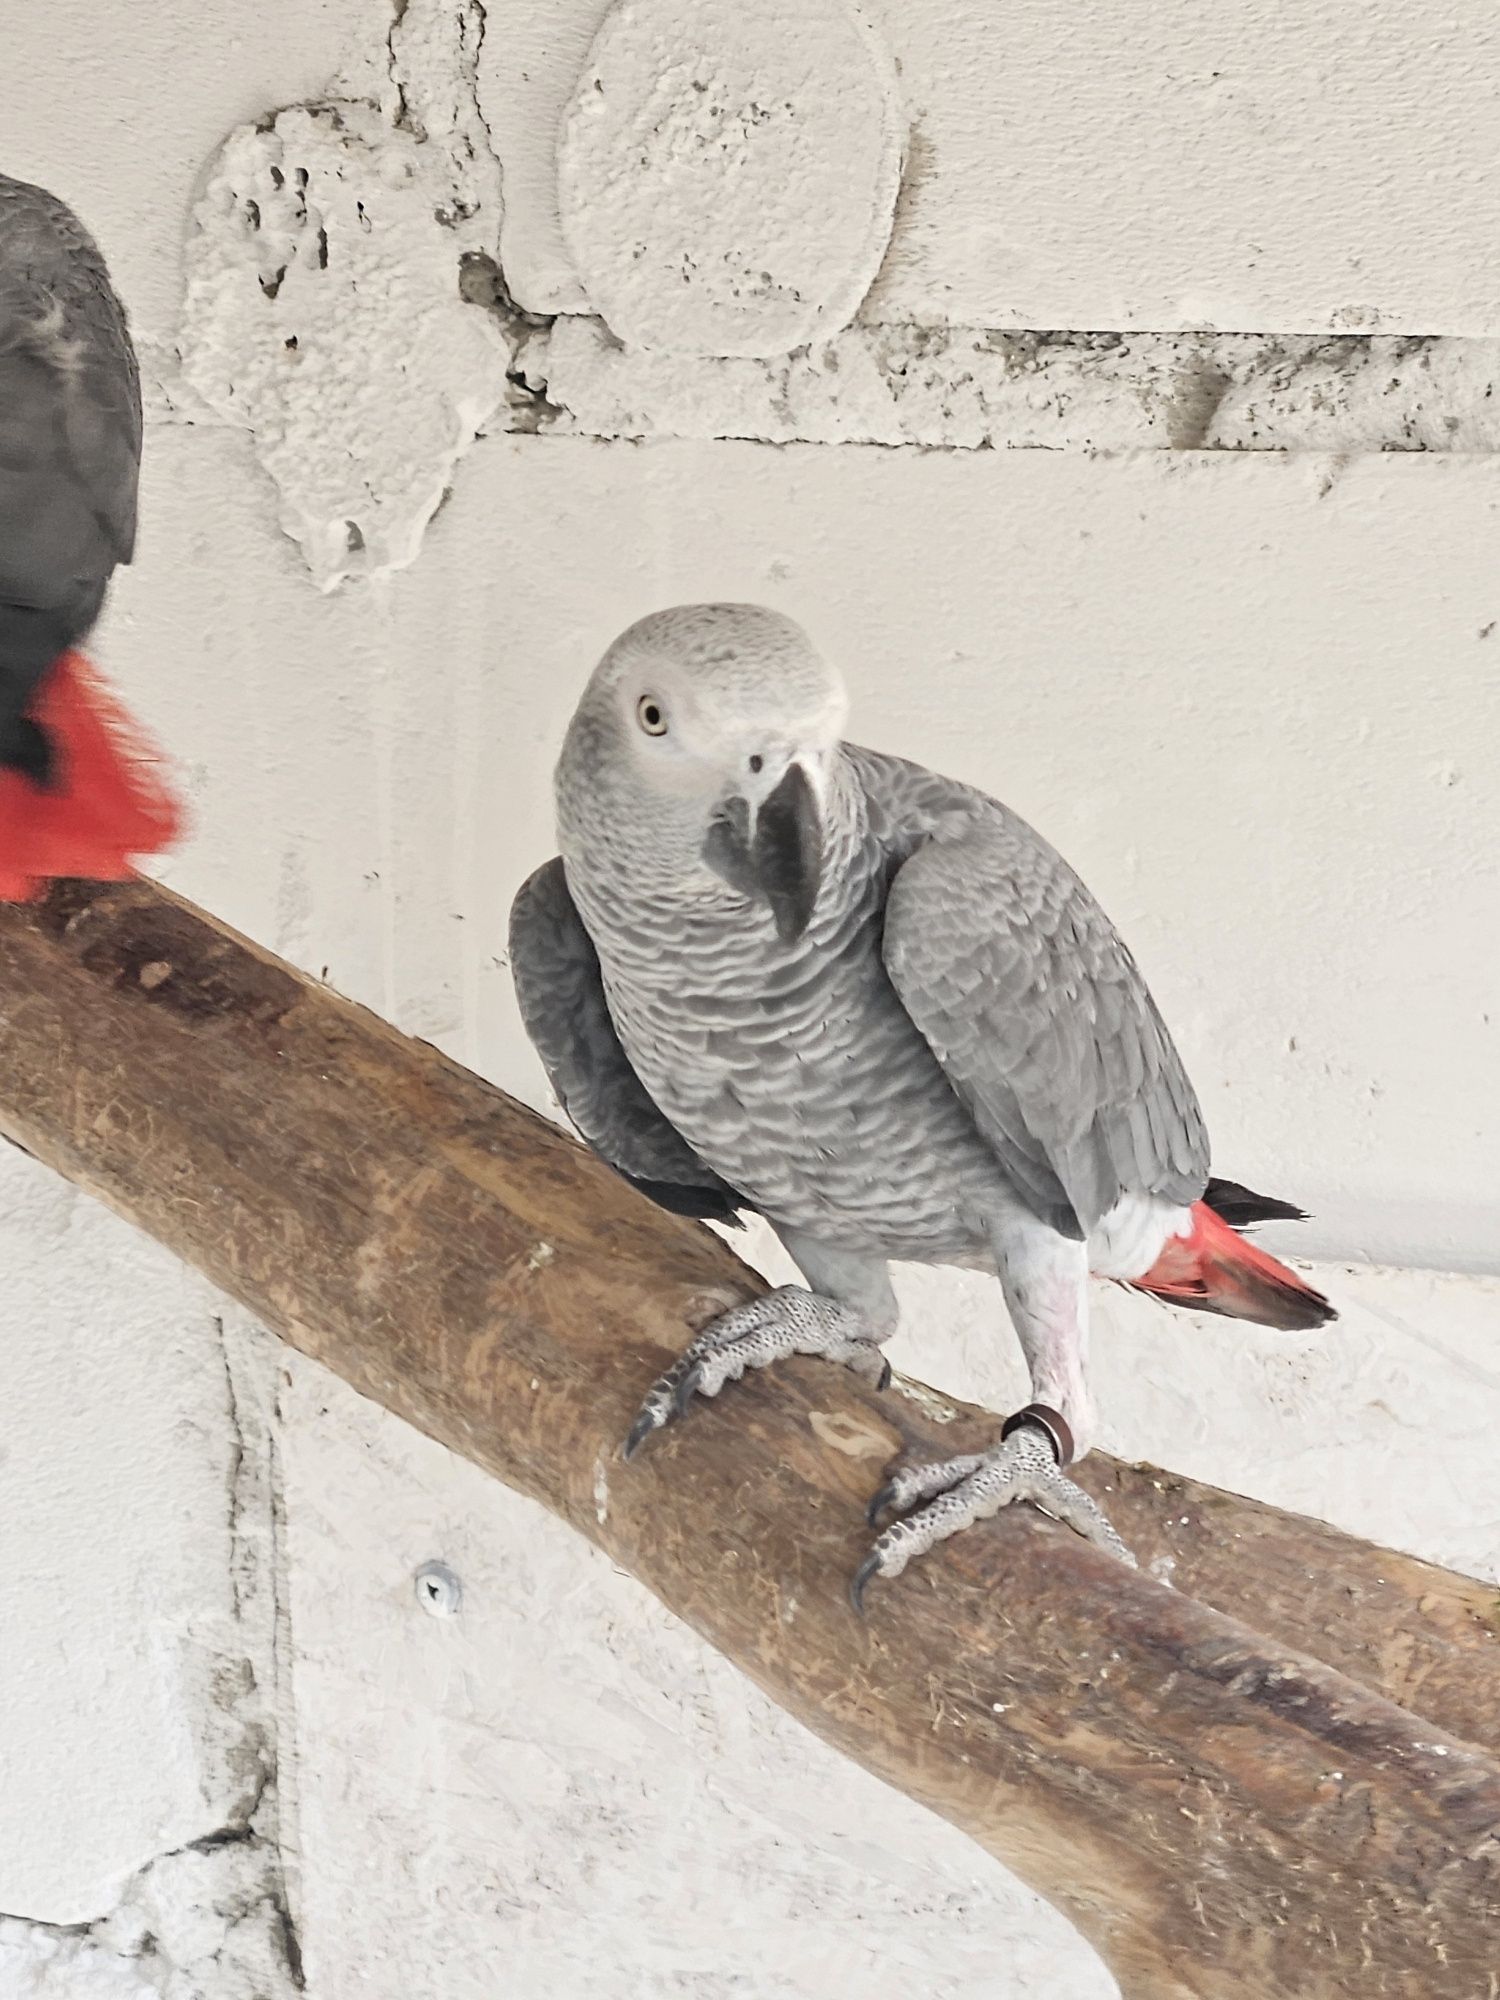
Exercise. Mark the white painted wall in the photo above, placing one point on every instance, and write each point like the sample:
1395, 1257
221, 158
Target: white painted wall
1252, 696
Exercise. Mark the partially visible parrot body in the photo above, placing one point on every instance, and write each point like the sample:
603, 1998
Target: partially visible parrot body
773, 970
78, 794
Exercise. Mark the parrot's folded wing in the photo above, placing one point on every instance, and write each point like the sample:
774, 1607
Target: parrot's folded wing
71, 401
1042, 1022
561, 995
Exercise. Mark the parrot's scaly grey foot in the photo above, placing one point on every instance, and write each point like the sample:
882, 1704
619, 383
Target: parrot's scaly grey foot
957, 1493
913, 1484
789, 1320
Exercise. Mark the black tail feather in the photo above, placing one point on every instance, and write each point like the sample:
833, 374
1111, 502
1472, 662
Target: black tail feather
706, 1204
27, 748
1241, 1208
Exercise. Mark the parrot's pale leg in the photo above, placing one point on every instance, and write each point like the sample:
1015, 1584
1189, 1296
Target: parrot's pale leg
844, 1318
1045, 1281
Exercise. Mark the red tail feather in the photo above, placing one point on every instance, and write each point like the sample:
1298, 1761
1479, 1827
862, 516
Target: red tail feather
107, 804
1214, 1269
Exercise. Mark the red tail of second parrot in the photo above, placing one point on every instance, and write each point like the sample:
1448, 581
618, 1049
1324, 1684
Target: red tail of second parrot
1213, 1269
106, 804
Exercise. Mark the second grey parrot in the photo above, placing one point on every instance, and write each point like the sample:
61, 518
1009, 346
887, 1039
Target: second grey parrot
76, 793
771, 970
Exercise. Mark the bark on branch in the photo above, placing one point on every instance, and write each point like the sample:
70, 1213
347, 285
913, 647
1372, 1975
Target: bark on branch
1288, 1794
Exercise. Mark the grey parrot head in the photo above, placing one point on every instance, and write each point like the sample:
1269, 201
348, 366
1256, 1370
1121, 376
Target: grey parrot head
702, 750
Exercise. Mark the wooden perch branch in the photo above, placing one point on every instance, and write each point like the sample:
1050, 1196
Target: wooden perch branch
1227, 1801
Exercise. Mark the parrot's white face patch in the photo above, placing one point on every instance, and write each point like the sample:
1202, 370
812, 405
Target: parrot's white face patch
718, 699
701, 755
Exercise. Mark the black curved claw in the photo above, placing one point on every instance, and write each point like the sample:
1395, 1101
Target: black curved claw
687, 1388
868, 1568
640, 1430
885, 1377
880, 1502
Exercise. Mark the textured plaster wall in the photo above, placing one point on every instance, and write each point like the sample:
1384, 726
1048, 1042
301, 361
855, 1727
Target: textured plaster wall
1247, 167
1231, 639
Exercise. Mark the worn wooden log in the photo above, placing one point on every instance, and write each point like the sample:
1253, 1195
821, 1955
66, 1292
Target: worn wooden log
1226, 1801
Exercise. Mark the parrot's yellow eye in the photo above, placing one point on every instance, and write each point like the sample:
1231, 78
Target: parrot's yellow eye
650, 714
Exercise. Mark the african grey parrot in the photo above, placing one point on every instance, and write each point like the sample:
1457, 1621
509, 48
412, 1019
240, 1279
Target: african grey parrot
76, 793
774, 971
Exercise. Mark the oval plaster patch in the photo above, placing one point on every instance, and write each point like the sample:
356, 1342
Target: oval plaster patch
728, 171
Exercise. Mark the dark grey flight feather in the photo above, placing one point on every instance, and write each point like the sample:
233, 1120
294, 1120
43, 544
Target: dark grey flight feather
70, 445
565, 1014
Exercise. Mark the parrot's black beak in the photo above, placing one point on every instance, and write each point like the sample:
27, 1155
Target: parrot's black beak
786, 853
775, 853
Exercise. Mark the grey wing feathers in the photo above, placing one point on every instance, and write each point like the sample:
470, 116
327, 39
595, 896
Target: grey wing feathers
557, 980
1041, 1020
70, 411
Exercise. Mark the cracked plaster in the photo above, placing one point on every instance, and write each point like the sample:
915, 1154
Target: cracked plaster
140, 1572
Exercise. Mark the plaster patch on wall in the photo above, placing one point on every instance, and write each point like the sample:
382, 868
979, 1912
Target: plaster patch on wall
977, 388
727, 174
323, 310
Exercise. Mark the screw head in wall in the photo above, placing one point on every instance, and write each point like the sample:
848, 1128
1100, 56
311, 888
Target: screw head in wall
439, 1591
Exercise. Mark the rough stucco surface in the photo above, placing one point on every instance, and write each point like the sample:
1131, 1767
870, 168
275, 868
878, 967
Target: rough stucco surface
983, 389
727, 176
322, 310
1242, 669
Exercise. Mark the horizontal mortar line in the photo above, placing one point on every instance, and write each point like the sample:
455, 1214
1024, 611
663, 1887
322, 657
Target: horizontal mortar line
904, 384
545, 318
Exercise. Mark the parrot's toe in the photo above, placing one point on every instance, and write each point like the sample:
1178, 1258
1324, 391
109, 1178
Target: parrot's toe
651, 1418
687, 1388
952, 1495
868, 1568
912, 1484
790, 1320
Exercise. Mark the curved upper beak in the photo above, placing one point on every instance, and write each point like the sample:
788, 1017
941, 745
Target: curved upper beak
786, 852
773, 849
